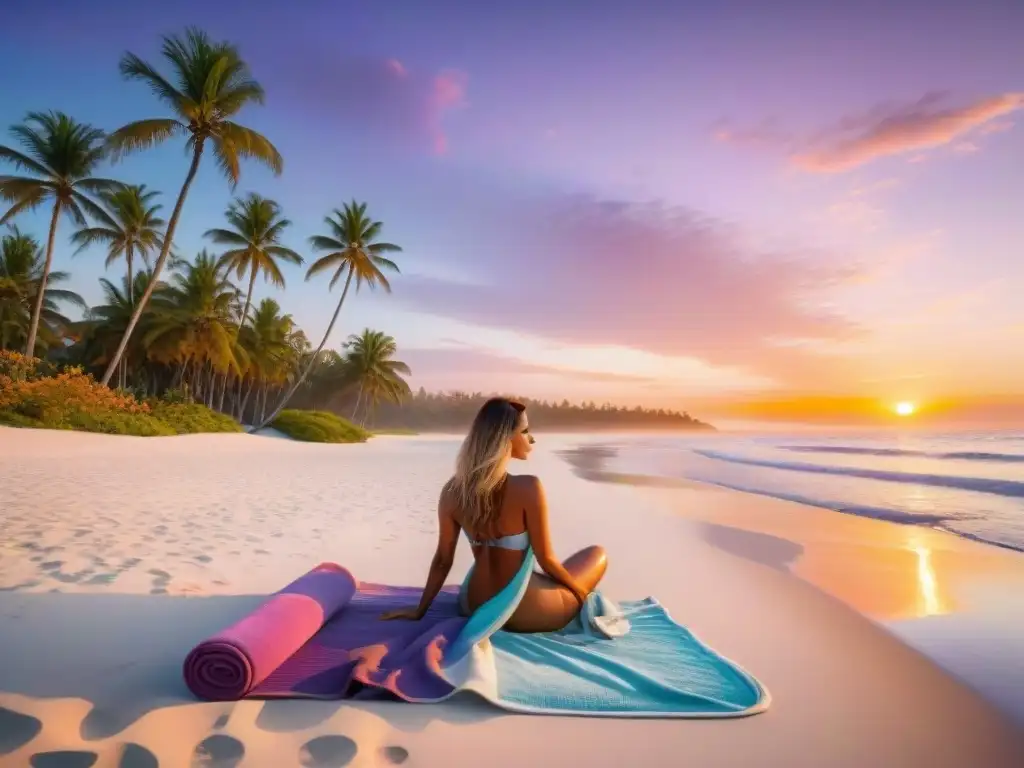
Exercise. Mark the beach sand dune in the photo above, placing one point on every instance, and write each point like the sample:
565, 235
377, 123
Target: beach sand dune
117, 554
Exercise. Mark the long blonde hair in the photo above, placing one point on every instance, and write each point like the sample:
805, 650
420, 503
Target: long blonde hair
482, 464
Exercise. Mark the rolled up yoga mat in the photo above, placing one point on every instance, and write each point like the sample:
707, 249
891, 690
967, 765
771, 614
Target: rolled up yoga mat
229, 665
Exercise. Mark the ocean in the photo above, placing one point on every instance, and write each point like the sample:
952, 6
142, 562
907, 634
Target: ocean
970, 484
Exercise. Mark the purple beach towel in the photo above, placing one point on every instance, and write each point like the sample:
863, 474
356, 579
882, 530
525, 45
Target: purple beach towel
321, 637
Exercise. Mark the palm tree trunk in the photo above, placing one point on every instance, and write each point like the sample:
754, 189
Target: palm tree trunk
359, 398
165, 249
131, 284
248, 296
37, 311
244, 399
131, 301
211, 385
312, 360
223, 392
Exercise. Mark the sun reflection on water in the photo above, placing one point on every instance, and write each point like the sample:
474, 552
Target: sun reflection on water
929, 601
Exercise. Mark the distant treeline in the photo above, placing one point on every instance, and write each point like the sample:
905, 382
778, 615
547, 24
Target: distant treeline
453, 411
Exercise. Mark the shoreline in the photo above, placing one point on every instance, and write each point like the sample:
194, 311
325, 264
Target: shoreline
117, 555
943, 594
588, 460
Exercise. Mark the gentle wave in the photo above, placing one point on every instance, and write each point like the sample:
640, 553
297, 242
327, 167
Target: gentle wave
1011, 488
1009, 458
875, 513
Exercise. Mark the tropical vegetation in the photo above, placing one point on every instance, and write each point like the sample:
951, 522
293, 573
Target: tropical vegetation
176, 332
452, 412
180, 342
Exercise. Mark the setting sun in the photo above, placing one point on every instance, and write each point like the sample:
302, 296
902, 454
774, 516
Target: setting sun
905, 409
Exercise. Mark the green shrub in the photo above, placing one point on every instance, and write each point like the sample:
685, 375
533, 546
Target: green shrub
190, 418
114, 423
318, 427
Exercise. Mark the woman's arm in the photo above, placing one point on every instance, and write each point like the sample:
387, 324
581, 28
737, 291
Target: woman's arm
540, 539
440, 566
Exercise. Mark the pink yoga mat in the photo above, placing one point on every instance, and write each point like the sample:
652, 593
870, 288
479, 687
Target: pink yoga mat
232, 663
322, 637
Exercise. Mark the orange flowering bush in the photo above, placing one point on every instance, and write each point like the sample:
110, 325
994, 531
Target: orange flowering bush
32, 396
17, 367
53, 399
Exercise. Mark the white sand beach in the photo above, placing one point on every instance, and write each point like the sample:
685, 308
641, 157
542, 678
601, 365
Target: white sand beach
117, 554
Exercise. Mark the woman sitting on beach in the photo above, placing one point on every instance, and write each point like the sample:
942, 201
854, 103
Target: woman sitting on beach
502, 515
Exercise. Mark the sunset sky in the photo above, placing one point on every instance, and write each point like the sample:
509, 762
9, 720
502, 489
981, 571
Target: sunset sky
699, 205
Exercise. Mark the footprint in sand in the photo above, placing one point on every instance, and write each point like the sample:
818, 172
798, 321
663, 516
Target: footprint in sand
327, 752
218, 751
137, 756
65, 759
16, 729
394, 755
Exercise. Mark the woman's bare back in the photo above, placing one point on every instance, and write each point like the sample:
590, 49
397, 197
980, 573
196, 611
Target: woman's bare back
549, 603
495, 566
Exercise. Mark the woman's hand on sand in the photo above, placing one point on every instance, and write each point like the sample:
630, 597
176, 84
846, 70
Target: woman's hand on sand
408, 614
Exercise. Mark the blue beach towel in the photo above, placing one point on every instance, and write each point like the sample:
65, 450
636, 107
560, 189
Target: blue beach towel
615, 660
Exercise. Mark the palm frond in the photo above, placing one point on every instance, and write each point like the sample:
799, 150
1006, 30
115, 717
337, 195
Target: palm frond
324, 243
23, 161
142, 134
225, 237
134, 68
251, 145
286, 254
322, 264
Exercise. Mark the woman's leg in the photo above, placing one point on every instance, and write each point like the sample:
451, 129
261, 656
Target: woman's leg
547, 605
587, 567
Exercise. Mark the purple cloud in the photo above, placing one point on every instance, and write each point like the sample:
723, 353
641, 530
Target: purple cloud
667, 280
382, 97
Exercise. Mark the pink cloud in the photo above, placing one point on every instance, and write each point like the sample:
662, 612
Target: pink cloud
448, 92
883, 131
473, 367
666, 280
910, 128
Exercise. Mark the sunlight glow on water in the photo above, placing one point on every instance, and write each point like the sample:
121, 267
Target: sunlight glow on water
929, 603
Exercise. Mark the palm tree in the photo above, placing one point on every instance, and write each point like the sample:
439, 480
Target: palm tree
128, 226
102, 330
270, 343
368, 363
62, 155
254, 238
328, 375
21, 275
214, 85
192, 325
352, 252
